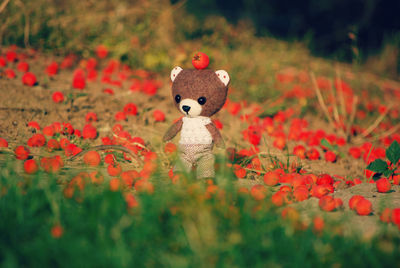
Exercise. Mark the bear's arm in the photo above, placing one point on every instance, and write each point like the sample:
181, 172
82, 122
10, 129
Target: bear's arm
173, 130
216, 135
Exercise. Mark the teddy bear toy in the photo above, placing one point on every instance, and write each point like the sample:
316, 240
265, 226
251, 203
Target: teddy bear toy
197, 94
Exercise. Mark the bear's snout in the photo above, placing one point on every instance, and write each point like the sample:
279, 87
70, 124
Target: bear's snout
186, 108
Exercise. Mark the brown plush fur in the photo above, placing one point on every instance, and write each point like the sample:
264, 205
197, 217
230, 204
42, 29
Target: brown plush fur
216, 135
193, 84
173, 130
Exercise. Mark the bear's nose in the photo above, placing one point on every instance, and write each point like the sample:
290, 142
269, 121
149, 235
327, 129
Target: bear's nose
186, 108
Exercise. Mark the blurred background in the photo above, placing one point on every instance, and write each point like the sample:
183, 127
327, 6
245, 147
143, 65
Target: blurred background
365, 32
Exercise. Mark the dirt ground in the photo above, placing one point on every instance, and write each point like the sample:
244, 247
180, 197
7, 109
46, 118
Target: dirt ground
21, 104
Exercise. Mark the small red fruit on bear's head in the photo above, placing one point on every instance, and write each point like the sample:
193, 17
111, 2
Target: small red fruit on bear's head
200, 60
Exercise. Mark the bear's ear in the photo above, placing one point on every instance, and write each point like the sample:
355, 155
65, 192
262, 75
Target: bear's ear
223, 76
175, 72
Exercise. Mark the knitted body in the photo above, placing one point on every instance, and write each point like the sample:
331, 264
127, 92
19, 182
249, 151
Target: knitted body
195, 147
196, 155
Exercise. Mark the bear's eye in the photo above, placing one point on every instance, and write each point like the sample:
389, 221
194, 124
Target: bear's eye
178, 98
201, 100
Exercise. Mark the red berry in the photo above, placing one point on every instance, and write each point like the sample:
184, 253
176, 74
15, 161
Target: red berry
10, 74
319, 191
89, 132
30, 166
338, 203
324, 179
312, 154
48, 131
271, 178
101, 51
170, 148
120, 116
3, 62
277, 199
29, 79
52, 69
114, 169
109, 159
150, 87
130, 109
318, 224
21, 152
144, 185
23, 67
218, 124
383, 185
91, 117
58, 97
280, 143
300, 193
327, 203
37, 140
200, 60
258, 192
34, 124
92, 158
11, 56
3, 143
239, 171
79, 81
299, 151
396, 179
330, 156
57, 231
53, 144
354, 200
355, 152
364, 207
386, 215
159, 116
396, 216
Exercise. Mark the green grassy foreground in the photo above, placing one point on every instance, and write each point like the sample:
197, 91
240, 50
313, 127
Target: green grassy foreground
188, 224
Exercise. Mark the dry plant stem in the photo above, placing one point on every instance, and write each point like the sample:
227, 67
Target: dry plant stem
352, 117
384, 134
334, 99
375, 124
255, 170
108, 147
4, 5
27, 23
321, 100
340, 94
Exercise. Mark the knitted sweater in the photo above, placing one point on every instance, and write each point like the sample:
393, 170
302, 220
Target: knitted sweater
194, 130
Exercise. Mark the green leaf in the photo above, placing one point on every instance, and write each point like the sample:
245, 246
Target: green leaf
388, 173
393, 152
331, 147
378, 166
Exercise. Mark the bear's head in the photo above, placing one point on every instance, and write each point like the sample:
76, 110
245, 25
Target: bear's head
199, 92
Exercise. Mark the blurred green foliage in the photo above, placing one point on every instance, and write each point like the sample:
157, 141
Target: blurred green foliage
331, 27
181, 225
